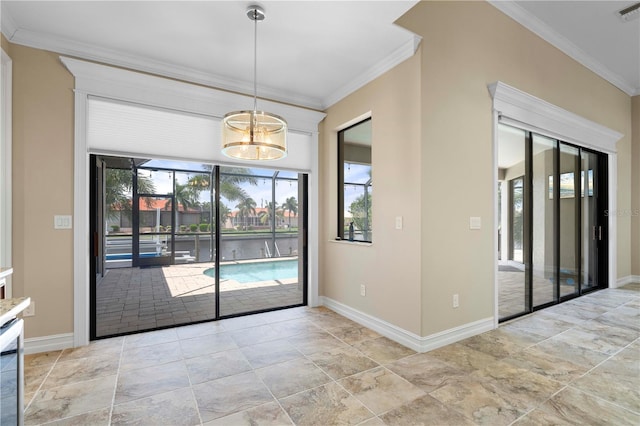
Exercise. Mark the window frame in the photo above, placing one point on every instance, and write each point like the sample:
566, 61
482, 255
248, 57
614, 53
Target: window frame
340, 188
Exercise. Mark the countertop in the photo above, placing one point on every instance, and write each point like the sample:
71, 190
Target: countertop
10, 308
5, 272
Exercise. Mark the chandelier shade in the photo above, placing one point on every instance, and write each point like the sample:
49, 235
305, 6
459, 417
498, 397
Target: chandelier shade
254, 135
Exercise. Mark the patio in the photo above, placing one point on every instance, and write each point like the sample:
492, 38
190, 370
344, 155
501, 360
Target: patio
136, 299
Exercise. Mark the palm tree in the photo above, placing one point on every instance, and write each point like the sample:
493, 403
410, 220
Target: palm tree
225, 214
290, 204
118, 190
270, 214
185, 196
230, 180
246, 207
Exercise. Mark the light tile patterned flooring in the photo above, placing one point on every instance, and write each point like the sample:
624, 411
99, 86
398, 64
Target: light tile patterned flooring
574, 363
135, 299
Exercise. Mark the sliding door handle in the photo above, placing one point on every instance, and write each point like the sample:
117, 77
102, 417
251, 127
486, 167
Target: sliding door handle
599, 233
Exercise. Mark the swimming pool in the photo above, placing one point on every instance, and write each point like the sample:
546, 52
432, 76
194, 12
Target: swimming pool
257, 271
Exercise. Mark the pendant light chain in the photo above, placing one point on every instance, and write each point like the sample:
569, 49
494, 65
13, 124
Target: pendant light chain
255, 60
247, 135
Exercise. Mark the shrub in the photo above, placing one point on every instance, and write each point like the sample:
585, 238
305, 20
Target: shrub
204, 227
183, 228
115, 228
193, 227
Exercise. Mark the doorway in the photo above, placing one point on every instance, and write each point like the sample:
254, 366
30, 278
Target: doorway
552, 221
186, 243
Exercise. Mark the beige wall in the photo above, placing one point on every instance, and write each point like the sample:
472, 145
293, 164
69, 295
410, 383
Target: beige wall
467, 45
390, 267
42, 187
635, 188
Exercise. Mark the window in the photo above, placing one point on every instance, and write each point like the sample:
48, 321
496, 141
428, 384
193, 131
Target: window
355, 183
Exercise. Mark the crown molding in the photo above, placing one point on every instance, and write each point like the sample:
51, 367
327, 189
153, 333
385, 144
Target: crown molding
398, 56
137, 63
544, 31
530, 112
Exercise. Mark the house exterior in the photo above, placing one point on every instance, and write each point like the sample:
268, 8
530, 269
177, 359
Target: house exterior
154, 212
256, 220
432, 137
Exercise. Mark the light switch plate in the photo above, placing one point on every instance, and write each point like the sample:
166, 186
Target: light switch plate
475, 222
398, 222
62, 222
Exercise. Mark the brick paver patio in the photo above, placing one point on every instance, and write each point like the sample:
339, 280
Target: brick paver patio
135, 299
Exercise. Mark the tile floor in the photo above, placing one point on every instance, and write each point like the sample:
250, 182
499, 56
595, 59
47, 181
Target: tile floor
575, 363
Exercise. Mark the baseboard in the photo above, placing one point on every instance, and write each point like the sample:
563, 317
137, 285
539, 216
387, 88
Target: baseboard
407, 338
629, 279
56, 342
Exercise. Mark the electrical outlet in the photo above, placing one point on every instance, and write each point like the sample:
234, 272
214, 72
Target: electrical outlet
456, 301
30, 310
363, 290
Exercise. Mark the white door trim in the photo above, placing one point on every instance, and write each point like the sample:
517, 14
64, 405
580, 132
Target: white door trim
6, 78
114, 83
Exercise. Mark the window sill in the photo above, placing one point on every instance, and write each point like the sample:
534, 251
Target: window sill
352, 243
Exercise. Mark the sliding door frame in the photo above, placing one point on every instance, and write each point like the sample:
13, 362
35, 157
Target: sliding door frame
601, 201
518, 108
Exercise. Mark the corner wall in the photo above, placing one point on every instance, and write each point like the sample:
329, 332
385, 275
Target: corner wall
466, 46
390, 267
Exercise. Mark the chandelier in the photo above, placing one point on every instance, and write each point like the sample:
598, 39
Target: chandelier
254, 135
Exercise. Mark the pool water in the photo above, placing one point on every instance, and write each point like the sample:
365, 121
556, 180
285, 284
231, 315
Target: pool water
257, 271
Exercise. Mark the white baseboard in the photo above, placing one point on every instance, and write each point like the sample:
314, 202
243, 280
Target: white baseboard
407, 338
56, 342
629, 279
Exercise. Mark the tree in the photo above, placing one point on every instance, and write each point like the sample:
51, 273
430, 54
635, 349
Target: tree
225, 214
246, 208
186, 196
230, 180
118, 191
290, 204
361, 215
272, 212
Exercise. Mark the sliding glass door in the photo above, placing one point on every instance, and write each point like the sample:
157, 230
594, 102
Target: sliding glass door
543, 221
556, 225
261, 240
593, 232
188, 242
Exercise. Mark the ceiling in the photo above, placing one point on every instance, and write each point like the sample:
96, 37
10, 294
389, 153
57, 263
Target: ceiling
591, 32
310, 53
